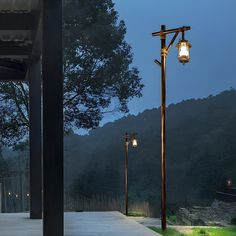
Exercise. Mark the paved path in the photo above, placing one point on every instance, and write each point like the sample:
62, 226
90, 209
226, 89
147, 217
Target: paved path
76, 224
147, 221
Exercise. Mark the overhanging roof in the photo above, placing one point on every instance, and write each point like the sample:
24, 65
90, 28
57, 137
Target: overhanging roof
19, 21
19, 5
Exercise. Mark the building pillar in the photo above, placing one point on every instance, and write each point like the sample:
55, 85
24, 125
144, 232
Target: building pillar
35, 140
52, 72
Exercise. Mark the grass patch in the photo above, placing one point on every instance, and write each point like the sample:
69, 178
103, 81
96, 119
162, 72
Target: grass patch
136, 214
227, 231
172, 219
168, 232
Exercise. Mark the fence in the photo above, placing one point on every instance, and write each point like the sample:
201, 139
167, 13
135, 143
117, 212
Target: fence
104, 203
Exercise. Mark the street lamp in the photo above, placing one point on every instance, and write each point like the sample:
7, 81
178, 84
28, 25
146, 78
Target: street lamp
229, 183
128, 138
134, 143
184, 57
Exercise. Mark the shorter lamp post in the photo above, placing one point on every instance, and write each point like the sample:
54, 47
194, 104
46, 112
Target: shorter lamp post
128, 138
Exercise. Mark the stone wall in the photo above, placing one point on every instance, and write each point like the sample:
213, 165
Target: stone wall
219, 213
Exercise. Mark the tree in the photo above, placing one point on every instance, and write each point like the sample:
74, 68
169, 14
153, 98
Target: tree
3, 166
98, 74
13, 112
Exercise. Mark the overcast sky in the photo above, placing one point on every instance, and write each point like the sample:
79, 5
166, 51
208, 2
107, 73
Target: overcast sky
213, 37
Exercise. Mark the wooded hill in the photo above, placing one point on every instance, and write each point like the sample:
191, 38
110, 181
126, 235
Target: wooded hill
201, 153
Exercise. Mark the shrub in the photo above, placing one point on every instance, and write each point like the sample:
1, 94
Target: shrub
233, 221
203, 232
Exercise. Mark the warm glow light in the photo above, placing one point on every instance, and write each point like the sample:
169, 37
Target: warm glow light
134, 142
229, 183
183, 54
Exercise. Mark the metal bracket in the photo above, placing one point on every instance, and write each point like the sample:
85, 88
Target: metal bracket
157, 62
172, 41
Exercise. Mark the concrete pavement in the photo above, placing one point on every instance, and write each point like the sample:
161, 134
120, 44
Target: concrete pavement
147, 221
76, 224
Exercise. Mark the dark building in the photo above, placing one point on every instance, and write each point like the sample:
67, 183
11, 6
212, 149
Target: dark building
31, 50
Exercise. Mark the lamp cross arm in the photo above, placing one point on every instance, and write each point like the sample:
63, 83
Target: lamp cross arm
170, 31
130, 136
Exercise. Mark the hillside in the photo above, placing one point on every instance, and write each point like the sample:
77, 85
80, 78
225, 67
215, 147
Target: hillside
201, 153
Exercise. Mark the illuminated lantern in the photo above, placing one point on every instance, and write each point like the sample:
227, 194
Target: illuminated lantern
184, 51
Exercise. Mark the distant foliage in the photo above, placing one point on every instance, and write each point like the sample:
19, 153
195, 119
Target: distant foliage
201, 153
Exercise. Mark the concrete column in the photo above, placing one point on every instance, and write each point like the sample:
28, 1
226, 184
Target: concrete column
52, 72
35, 140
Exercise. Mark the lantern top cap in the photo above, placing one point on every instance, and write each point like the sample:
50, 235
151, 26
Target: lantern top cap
189, 45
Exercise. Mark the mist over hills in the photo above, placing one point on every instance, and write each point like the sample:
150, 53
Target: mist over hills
201, 153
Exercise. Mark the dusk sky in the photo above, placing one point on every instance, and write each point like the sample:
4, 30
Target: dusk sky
213, 38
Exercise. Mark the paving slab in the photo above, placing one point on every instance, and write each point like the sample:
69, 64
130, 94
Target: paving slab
147, 221
76, 224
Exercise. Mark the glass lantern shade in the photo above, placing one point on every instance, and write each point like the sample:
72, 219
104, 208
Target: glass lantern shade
134, 143
229, 183
183, 51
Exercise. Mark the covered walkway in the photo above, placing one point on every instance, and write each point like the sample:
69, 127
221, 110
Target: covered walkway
76, 224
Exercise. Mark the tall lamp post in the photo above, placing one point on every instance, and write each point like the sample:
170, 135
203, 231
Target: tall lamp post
128, 138
184, 57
